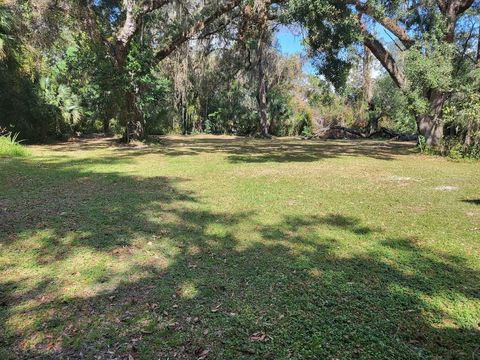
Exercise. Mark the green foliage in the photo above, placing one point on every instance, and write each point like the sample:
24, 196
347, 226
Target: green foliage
232, 110
331, 28
60, 76
393, 106
429, 65
462, 114
62, 98
424, 147
6, 27
22, 109
285, 120
11, 147
87, 70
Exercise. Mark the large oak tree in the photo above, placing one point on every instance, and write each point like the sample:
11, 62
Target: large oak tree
425, 29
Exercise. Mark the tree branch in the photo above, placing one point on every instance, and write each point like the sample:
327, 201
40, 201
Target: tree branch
385, 58
151, 5
195, 28
130, 26
478, 48
390, 24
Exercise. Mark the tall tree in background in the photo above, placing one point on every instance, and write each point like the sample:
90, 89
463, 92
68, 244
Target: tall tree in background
367, 90
260, 9
255, 31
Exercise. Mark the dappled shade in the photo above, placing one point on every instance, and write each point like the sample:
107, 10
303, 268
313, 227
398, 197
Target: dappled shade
107, 263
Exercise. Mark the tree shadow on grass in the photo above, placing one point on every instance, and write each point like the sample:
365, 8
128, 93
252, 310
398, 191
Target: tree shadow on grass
247, 150
244, 150
137, 266
472, 201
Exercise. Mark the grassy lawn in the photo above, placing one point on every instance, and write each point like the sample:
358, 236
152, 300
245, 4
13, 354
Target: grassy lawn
225, 248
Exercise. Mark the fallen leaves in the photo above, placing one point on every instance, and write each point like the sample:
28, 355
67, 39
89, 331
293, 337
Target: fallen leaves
201, 353
152, 306
259, 337
216, 308
179, 291
173, 326
194, 320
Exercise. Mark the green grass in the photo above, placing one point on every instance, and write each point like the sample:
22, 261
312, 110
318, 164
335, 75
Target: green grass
9, 147
238, 248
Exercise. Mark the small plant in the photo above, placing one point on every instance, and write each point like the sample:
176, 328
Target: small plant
428, 149
422, 144
9, 146
307, 132
455, 151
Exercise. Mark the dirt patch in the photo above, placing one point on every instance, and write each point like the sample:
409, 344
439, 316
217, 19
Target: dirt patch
445, 188
399, 178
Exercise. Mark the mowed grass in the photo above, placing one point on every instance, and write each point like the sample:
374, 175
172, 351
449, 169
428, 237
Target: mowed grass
227, 248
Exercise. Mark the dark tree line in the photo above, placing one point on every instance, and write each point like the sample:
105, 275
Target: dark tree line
159, 66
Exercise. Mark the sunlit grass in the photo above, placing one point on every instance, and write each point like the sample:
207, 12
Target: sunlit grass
245, 248
9, 146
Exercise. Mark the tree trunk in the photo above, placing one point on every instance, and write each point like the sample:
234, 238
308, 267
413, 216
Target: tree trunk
371, 118
430, 129
106, 125
367, 75
478, 48
262, 92
431, 126
468, 136
133, 118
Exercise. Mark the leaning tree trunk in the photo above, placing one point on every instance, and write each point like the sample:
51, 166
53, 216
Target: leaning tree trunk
430, 126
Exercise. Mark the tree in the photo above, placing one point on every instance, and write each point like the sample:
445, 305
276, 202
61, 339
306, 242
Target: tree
424, 32
119, 24
22, 110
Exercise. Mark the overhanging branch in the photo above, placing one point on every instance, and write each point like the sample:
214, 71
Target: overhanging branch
195, 28
385, 58
390, 24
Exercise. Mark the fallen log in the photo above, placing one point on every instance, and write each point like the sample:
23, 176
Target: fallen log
337, 132
341, 132
390, 134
